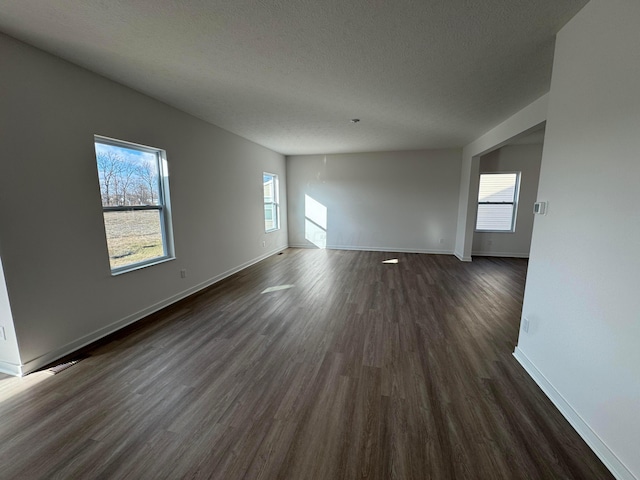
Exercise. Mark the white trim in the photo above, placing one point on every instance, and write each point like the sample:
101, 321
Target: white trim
500, 254
71, 347
610, 460
389, 249
373, 249
462, 258
138, 266
11, 369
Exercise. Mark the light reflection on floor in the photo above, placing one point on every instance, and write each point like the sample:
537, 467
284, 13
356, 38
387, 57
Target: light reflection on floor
277, 288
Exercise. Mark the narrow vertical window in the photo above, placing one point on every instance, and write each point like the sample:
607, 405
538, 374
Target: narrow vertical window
497, 200
271, 202
135, 202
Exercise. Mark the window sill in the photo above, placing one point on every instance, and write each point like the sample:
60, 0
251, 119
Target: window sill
139, 266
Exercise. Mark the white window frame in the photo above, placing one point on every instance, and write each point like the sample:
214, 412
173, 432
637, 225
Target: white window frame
275, 202
163, 207
514, 203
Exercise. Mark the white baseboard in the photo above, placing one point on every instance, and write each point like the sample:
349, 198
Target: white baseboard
375, 249
500, 254
610, 460
389, 249
10, 369
462, 258
71, 347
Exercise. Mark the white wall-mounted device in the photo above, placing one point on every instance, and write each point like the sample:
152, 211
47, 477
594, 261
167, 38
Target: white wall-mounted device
540, 208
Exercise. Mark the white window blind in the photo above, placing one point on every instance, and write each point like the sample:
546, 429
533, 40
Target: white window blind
497, 197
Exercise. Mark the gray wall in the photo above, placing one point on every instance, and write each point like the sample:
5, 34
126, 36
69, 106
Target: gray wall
581, 297
52, 240
388, 201
513, 158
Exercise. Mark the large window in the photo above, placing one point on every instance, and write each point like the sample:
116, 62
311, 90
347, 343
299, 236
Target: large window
497, 200
271, 205
135, 202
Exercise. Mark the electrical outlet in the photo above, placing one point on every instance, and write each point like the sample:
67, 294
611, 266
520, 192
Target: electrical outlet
3, 334
264, 243
525, 324
183, 273
441, 241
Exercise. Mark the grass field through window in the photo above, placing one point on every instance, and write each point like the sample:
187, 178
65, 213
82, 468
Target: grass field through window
133, 236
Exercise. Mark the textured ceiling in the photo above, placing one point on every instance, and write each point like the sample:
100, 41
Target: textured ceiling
290, 75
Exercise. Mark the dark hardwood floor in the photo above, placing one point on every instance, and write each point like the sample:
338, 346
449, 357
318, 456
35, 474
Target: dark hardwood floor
359, 370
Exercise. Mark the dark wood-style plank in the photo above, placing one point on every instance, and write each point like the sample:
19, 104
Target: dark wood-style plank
360, 370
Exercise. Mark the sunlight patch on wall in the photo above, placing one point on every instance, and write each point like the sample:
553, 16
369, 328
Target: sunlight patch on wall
315, 222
